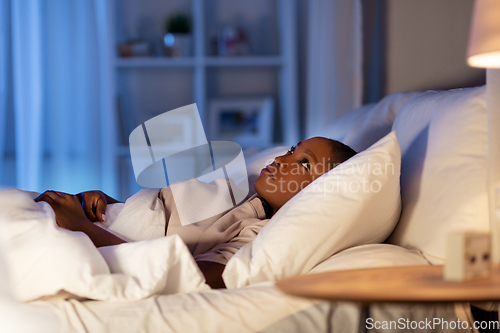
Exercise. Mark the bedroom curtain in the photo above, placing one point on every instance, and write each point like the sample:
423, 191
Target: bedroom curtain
374, 45
55, 94
5, 95
334, 61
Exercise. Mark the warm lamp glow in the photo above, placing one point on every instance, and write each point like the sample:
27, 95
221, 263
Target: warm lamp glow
484, 40
485, 60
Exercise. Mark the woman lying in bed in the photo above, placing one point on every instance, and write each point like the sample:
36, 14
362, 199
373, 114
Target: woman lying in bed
215, 239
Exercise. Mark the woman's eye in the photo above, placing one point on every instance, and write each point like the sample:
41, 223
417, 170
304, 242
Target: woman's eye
291, 150
306, 164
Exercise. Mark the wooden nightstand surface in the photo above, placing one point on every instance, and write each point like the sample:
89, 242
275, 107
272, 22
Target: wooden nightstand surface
392, 284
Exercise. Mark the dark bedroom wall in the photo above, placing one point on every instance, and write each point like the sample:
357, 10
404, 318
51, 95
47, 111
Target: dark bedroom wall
426, 42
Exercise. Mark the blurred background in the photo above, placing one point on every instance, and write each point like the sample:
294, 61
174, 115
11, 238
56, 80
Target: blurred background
77, 76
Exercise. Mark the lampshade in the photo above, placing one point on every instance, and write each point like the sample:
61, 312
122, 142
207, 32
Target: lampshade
484, 40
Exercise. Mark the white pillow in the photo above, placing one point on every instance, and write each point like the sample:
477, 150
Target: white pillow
331, 214
444, 145
371, 256
358, 129
361, 128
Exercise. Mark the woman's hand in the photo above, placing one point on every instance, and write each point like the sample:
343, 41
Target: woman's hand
94, 205
70, 215
67, 208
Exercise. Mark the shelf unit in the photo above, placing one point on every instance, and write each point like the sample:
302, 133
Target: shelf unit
139, 81
159, 62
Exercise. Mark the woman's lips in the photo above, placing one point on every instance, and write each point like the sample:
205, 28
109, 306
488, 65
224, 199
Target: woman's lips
267, 172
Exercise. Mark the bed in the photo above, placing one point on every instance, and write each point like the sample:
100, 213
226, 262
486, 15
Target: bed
437, 141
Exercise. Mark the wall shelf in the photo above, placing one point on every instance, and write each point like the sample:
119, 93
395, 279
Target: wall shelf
154, 62
148, 86
243, 61
145, 62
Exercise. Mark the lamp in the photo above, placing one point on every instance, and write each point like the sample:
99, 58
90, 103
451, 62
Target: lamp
484, 40
484, 51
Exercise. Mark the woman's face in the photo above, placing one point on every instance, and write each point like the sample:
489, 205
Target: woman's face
289, 173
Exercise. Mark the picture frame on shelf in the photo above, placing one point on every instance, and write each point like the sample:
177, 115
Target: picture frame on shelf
247, 121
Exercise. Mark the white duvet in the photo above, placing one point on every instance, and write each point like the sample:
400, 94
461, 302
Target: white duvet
257, 308
45, 261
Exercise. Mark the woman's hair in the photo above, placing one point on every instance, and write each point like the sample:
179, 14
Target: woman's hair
340, 152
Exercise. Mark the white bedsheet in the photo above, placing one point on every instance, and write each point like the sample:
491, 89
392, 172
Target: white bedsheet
44, 260
258, 308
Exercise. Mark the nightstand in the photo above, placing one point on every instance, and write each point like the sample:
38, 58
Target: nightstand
391, 284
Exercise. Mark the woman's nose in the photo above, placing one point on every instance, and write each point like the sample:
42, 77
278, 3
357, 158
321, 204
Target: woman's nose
281, 163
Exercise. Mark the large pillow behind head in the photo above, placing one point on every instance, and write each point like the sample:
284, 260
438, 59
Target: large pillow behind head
358, 129
361, 128
444, 145
358, 202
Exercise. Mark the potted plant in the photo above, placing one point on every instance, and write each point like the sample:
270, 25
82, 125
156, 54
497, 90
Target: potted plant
178, 38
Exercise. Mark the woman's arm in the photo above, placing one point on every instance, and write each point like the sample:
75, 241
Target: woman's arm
70, 215
99, 236
90, 194
94, 204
